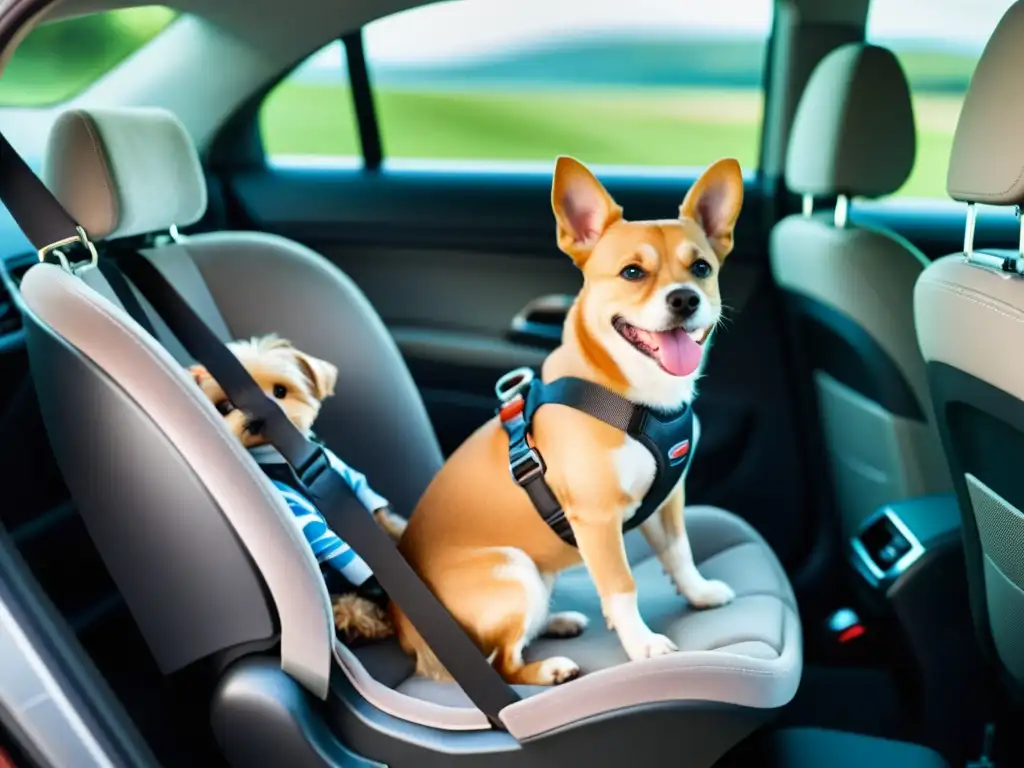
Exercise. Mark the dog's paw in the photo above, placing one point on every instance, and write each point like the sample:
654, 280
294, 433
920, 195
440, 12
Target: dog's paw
394, 525
648, 646
356, 617
566, 624
708, 594
557, 670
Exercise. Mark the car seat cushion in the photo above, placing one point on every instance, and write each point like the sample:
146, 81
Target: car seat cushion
747, 653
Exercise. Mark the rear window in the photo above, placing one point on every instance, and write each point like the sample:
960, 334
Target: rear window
485, 82
939, 48
57, 61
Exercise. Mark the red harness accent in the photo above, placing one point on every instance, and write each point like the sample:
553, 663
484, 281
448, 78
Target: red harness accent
512, 409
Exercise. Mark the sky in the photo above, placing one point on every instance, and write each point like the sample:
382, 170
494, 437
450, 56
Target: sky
460, 29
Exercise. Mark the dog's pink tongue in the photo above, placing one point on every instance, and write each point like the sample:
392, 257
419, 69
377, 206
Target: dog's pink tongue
677, 352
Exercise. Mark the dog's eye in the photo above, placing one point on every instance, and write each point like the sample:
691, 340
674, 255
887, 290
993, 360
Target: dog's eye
700, 269
224, 407
280, 391
632, 273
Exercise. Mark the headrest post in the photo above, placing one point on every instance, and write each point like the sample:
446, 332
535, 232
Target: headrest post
175, 235
808, 205
842, 211
972, 219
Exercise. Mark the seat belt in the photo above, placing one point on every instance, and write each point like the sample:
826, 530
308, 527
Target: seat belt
123, 291
50, 227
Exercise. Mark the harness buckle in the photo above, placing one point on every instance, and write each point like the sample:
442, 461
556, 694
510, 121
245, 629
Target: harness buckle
526, 467
513, 383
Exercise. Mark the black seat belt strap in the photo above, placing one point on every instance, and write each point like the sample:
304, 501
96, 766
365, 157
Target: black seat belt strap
32, 206
329, 492
48, 226
123, 291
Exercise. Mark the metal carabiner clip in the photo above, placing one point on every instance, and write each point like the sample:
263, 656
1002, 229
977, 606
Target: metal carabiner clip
513, 383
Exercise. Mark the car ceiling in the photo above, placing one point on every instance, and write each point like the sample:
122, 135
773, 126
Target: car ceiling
312, 23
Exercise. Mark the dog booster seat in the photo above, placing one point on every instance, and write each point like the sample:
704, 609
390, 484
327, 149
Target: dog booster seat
216, 569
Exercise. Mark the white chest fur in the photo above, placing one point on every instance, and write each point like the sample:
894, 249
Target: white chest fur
635, 467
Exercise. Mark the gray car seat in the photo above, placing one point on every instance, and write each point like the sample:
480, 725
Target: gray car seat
969, 310
850, 287
212, 566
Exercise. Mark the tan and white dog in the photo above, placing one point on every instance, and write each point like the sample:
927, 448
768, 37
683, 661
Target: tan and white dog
639, 327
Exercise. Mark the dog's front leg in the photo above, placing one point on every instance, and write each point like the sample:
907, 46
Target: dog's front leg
666, 534
599, 538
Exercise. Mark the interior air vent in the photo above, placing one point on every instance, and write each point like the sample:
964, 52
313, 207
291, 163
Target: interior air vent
10, 314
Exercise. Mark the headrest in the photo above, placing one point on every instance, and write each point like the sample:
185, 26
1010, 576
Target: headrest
124, 172
986, 164
853, 133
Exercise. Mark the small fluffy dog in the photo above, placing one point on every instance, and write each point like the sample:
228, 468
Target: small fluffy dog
475, 536
299, 383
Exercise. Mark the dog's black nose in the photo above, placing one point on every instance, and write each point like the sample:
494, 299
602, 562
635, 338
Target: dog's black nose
683, 302
254, 426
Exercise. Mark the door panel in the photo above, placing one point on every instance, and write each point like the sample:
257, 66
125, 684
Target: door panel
450, 261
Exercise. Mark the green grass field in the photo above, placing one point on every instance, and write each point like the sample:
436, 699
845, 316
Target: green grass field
688, 127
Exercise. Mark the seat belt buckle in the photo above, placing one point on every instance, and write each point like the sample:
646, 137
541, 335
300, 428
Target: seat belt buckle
314, 468
526, 467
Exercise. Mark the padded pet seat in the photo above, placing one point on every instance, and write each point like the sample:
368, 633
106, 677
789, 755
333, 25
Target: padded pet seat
252, 592
747, 653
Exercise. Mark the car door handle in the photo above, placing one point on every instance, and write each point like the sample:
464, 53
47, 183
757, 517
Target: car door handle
540, 322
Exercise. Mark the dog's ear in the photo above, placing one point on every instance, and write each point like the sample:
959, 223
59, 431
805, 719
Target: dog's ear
199, 373
583, 208
714, 202
321, 374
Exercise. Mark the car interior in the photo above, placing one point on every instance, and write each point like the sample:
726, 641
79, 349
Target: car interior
372, 180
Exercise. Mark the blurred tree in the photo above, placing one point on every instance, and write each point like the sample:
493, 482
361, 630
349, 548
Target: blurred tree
58, 60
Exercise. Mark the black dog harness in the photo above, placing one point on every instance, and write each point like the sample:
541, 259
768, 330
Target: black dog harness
667, 436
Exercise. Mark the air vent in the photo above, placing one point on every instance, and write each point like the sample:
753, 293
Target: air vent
10, 314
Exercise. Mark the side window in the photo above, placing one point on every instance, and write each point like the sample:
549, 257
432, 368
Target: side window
59, 60
309, 114
482, 83
938, 50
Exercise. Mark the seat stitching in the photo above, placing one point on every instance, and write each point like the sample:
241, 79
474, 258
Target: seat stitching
759, 640
975, 297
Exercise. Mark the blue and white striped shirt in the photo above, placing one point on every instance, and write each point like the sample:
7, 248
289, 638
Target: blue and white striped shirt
327, 547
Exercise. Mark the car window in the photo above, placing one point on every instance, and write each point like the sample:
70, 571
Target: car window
938, 50
644, 83
310, 114
59, 60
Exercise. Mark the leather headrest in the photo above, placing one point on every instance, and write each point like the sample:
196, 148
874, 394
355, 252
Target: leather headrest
853, 133
986, 164
125, 172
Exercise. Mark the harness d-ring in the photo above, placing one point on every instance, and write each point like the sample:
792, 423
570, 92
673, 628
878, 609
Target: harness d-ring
513, 383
